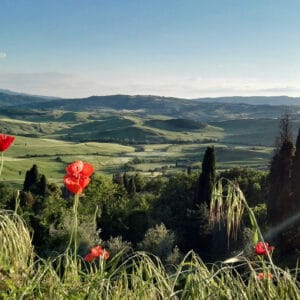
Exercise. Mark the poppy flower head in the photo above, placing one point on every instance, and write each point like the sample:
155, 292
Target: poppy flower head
89, 257
263, 248
261, 276
97, 252
73, 184
87, 169
5, 141
80, 168
74, 168
77, 177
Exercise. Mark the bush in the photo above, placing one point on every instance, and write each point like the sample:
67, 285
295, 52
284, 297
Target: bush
159, 241
116, 245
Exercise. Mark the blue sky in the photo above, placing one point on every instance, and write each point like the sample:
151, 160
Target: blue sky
180, 48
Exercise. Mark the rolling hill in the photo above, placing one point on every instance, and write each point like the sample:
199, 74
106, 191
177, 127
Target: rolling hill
202, 110
162, 134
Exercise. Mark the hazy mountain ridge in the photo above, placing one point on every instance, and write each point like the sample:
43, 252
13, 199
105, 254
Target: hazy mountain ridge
255, 100
203, 109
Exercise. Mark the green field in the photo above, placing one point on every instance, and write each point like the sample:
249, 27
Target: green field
52, 156
127, 142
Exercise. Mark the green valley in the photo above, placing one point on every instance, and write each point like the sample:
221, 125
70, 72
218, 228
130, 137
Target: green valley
147, 134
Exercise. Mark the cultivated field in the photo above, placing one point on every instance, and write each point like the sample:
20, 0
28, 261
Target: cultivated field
124, 141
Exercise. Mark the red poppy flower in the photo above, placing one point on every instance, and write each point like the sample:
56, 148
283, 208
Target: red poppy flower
77, 177
89, 257
80, 168
261, 276
263, 248
5, 141
76, 185
95, 252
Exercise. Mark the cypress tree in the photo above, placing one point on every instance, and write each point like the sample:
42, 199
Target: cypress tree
295, 177
292, 236
131, 188
31, 178
207, 178
43, 186
279, 178
189, 170
118, 179
125, 180
139, 182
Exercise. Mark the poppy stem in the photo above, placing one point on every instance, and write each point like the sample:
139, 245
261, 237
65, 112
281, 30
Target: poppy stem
75, 230
2, 161
73, 237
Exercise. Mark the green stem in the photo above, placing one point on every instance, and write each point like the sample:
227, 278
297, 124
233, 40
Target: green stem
2, 161
75, 210
73, 237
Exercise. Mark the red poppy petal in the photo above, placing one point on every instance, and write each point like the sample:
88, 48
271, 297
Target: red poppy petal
72, 184
89, 257
84, 181
260, 276
263, 276
105, 254
262, 248
87, 169
5, 141
97, 251
75, 168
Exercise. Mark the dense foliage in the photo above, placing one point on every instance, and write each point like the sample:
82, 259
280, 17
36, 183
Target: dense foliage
166, 216
128, 205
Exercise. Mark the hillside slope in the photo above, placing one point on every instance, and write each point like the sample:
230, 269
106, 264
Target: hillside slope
200, 110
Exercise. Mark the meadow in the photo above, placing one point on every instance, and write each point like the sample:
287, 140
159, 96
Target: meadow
128, 142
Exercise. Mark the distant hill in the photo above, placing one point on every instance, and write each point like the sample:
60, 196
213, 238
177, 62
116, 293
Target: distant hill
9, 92
9, 99
163, 130
204, 109
255, 100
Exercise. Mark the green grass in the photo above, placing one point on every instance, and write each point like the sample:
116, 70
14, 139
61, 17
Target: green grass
52, 156
137, 276
259, 132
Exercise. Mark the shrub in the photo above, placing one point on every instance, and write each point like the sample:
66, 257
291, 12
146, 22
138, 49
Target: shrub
158, 241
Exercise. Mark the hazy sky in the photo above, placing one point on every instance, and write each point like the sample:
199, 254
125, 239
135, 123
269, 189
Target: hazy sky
181, 48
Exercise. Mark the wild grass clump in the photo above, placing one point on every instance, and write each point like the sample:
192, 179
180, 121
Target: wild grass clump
130, 275
16, 255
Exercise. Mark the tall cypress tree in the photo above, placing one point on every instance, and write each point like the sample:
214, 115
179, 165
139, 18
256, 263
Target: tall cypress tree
207, 177
131, 189
125, 180
279, 179
31, 178
43, 186
295, 178
118, 179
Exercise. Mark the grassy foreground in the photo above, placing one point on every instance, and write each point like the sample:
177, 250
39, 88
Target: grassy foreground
23, 275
